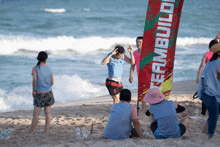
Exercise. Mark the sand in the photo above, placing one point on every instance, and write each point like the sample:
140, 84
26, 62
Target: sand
66, 117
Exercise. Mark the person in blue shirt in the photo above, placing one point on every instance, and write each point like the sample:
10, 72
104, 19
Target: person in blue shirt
115, 61
209, 90
122, 115
42, 92
165, 123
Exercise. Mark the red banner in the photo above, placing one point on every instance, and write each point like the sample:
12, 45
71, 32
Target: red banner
158, 48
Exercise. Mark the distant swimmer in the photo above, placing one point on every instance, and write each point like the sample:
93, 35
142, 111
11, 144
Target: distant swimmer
115, 61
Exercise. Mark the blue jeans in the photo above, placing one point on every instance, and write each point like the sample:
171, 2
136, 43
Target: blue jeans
214, 109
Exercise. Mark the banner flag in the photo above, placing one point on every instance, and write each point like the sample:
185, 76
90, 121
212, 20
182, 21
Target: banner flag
158, 48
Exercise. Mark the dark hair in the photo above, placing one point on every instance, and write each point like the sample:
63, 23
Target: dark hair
212, 42
125, 95
42, 56
139, 37
121, 50
215, 56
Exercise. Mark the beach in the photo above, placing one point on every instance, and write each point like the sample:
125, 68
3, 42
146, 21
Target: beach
66, 117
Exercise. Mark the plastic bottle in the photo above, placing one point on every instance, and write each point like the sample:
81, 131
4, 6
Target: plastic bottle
6, 134
78, 134
196, 114
84, 133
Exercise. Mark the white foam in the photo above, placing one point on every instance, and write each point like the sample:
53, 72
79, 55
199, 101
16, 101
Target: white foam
13, 44
86, 9
64, 44
62, 10
65, 89
187, 41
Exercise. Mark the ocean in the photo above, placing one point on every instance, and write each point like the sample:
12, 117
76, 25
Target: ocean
78, 34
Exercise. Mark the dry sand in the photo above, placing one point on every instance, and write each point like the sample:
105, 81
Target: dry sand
66, 117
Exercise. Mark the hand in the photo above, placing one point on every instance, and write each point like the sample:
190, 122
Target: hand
115, 51
130, 49
197, 80
34, 93
131, 79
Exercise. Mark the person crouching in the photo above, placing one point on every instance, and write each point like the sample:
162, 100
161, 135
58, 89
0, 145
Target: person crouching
165, 123
122, 115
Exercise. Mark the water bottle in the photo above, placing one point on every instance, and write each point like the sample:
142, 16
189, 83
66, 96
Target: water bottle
84, 133
6, 134
78, 134
196, 114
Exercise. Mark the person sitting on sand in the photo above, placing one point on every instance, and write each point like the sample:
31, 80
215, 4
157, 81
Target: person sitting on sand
209, 90
115, 62
121, 117
42, 92
165, 123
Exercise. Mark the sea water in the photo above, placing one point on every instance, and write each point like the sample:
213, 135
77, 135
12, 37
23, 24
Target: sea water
78, 34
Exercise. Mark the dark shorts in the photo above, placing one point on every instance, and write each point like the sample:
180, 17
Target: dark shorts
44, 99
113, 87
154, 127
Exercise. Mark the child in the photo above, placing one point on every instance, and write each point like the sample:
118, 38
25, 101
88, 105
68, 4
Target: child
122, 115
164, 112
42, 92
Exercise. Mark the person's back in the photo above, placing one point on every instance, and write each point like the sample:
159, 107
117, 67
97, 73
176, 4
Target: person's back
163, 119
211, 83
119, 125
43, 78
168, 124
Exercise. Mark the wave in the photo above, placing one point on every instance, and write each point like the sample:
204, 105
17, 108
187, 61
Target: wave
65, 89
86, 9
16, 44
65, 44
188, 41
62, 10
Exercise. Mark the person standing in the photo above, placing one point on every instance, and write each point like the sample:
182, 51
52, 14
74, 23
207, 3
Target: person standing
206, 57
115, 62
209, 90
42, 92
137, 56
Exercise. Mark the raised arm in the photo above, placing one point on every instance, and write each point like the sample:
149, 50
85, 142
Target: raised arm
106, 60
128, 60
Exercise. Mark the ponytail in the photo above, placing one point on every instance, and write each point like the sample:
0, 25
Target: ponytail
38, 63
